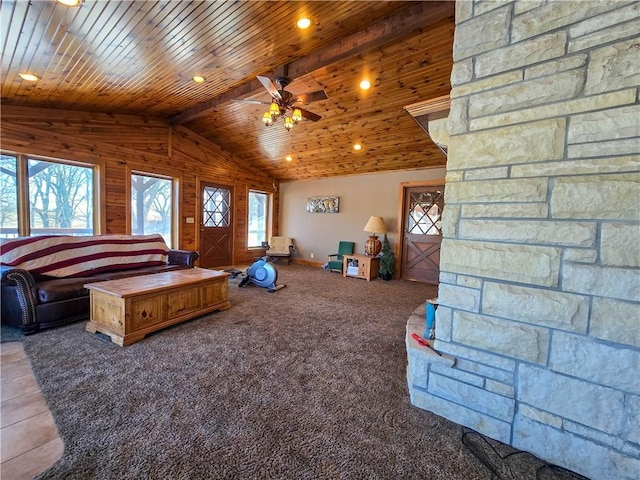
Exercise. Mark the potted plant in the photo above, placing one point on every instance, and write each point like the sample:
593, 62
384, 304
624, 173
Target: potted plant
387, 261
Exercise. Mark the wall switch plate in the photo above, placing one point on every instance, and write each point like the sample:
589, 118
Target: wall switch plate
190, 220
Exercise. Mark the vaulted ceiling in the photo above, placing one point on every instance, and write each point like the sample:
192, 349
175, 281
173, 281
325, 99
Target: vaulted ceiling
139, 57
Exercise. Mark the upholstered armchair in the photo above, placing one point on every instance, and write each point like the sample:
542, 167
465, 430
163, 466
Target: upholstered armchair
280, 247
336, 259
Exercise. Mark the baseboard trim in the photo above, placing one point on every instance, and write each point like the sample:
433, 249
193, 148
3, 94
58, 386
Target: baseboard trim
299, 261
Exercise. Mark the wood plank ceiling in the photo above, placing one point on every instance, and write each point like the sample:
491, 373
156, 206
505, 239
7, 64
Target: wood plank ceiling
138, 57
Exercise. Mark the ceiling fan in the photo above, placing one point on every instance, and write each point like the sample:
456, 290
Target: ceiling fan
283, 101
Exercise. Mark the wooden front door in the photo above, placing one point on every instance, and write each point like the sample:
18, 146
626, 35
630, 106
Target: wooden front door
422, 233
216, 226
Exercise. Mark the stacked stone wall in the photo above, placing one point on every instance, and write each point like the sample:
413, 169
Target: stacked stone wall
540, 262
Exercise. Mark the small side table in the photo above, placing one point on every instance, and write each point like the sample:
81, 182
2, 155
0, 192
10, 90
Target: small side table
367, 266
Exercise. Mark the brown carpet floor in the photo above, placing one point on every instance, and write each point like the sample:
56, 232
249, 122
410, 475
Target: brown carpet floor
308, 382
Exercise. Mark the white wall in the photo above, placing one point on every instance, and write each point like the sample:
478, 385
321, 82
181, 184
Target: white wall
360, 197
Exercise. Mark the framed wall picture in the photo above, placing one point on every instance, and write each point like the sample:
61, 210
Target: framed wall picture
323, 204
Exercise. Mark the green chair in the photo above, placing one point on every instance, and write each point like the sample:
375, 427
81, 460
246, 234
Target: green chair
344, 248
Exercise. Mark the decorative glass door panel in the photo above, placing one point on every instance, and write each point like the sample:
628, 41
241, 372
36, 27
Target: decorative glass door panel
425, 209
216, 208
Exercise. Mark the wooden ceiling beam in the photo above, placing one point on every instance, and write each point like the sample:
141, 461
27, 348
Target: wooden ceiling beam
417, 16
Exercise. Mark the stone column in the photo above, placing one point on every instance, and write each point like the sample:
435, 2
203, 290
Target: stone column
540, 267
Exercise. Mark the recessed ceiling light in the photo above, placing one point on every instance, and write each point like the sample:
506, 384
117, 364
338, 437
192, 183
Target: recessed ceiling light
288, 158
357, 146
29, 77
71, 3
198, 79
365, 84
303, 23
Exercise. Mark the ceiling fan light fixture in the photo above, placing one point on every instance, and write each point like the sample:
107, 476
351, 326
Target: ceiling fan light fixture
283, 103
288, 123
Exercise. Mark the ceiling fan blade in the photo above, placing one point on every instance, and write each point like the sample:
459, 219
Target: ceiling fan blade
254, 102
271, 88
314, 117
312, 96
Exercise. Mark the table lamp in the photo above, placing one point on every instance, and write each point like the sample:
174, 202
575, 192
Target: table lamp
374, 225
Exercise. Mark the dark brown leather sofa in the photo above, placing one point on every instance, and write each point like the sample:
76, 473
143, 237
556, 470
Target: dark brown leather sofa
34, 302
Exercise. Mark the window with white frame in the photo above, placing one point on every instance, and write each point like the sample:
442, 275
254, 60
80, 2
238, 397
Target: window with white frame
152, 206
258, 212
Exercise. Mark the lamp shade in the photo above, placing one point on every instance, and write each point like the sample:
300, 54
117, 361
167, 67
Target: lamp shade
288, 123
375, 225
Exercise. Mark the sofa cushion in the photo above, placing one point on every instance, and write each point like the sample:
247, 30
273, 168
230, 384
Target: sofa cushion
68, 256
57, 289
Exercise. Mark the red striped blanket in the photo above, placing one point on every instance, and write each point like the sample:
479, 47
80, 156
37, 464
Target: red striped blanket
68, 256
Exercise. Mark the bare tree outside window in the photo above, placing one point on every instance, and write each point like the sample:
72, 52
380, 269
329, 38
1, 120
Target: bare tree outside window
8, 197
152, 206
258, 209
60, 198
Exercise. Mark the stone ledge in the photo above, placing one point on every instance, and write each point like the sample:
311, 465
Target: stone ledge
417, 324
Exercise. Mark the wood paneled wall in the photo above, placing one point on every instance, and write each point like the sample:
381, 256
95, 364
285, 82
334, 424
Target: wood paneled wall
122, 143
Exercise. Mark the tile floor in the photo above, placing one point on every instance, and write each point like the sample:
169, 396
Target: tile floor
29, 440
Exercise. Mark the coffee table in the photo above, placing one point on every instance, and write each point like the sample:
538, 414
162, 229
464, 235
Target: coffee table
127, 309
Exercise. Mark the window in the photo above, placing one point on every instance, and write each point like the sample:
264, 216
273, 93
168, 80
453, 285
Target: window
152, 206
60, 197
8, 197
258, 215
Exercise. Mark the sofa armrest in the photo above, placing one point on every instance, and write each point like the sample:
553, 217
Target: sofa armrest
183, 257
12, 276
23, 285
